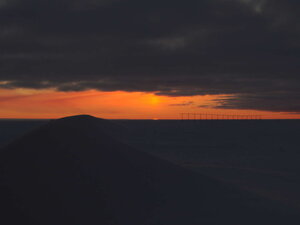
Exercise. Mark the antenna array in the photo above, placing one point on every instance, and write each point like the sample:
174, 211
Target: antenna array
206, 116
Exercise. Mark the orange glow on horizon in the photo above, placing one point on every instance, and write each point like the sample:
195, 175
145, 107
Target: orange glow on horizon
44, 104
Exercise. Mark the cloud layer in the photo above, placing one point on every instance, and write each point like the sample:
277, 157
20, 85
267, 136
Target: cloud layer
246, 48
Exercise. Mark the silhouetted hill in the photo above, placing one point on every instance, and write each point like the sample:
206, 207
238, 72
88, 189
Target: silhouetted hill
72, 171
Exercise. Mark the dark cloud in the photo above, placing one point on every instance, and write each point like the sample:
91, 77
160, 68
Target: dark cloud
249, 49
184, 103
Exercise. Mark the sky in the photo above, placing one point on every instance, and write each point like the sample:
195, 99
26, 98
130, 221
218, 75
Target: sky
142, 59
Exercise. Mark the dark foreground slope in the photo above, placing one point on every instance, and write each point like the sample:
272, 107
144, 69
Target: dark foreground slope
71, 172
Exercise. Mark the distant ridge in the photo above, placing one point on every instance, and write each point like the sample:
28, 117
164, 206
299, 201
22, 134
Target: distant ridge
73, 171
87, 123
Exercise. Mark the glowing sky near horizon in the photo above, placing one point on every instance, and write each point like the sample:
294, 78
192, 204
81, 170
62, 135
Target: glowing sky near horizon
29, 103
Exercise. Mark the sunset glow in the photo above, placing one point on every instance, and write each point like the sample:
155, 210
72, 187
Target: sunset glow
29, 103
